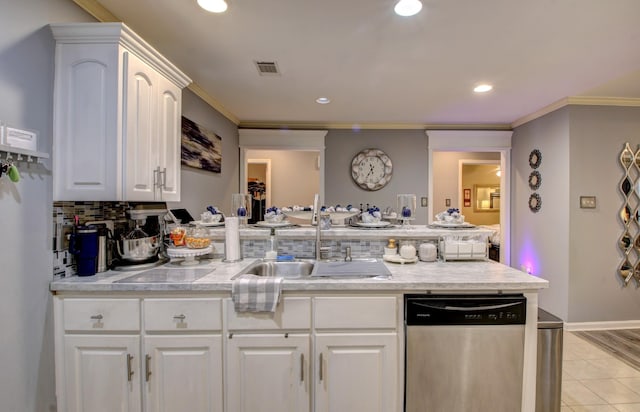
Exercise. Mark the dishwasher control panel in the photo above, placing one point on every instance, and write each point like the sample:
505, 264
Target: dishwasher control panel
465, 309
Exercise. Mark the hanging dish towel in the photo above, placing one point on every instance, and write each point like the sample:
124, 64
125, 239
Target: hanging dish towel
252, 293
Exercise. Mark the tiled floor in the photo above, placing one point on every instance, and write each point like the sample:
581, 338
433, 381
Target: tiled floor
594, 381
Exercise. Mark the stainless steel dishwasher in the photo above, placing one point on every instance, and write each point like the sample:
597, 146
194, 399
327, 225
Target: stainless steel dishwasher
464, 353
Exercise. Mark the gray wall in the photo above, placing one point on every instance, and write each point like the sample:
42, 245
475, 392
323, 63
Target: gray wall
26, 87
575, 249
598, 135
540, 241
408, 152
201, 188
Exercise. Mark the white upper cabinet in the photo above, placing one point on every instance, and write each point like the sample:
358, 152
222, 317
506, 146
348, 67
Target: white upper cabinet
117, 115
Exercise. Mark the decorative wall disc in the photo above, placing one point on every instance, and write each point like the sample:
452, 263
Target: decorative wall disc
535, 202
535, 180
535, 158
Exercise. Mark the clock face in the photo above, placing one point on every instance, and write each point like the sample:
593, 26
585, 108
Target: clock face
371, 169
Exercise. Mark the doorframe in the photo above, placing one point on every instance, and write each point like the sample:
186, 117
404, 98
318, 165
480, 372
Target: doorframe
477, 141
267, 183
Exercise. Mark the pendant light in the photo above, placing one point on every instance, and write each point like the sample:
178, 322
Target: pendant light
408, 8
214, 6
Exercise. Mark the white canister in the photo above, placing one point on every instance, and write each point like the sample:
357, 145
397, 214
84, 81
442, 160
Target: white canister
407, 251
427, 252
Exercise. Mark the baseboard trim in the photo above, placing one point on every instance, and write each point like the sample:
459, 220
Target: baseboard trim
610, 325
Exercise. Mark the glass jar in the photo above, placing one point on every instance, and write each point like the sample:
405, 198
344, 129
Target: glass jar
197, 238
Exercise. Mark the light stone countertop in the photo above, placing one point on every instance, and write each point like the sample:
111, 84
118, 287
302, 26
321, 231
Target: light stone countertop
349, 232
456, 276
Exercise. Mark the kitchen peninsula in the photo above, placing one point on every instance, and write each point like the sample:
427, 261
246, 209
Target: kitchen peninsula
331, 342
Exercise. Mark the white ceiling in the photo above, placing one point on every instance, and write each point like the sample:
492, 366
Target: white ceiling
380, 68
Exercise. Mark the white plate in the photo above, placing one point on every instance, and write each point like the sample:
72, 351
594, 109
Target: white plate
382, 223
399, 259
206, 224
273, 224
452, 224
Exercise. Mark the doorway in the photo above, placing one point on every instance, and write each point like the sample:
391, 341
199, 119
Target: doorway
297, 163
473, 142
259, 187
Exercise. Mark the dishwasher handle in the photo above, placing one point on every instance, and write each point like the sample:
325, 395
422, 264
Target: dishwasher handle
479, 308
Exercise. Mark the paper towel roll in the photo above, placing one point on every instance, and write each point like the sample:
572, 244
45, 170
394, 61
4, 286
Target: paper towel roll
232, 239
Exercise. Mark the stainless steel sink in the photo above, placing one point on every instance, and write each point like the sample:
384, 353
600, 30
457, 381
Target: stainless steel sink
357, 268
288, 270
309, 269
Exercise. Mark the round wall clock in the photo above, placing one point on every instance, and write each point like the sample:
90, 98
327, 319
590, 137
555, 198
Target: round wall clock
371, 169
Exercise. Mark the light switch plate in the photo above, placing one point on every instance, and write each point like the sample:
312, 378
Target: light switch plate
447, 202
423, 202
587, 202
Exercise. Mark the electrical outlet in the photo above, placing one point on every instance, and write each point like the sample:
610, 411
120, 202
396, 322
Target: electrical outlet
66, 235
587, 202
423, 202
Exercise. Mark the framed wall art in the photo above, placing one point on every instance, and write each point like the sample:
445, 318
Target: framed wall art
201, 148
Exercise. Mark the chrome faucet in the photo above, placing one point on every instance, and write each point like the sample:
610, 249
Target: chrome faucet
347, 257
322, 253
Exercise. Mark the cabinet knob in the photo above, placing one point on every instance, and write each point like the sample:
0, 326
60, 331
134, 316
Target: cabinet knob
96, 317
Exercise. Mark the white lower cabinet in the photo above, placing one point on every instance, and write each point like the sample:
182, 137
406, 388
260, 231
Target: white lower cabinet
102, 373
356, 372
268, 372
168, 354
183, 373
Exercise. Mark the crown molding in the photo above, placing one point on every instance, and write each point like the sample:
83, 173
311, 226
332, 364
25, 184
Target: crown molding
97, 10
577, 101
211, 101
368, 126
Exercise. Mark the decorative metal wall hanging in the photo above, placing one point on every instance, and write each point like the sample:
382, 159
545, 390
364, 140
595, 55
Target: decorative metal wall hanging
535, 180
629, 242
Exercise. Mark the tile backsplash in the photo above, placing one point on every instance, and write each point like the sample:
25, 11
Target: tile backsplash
63, 221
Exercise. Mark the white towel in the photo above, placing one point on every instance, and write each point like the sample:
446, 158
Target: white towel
251, 293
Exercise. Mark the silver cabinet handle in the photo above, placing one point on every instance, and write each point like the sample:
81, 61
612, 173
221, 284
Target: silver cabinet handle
164, 177
129, 367
320, 368
302, 367
180, 317
147, 367
155, 178
97, 317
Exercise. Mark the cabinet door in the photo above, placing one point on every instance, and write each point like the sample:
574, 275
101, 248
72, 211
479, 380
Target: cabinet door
140, 141
356, 372
102, 373
85, 141
183, 373
267, 373
169, 139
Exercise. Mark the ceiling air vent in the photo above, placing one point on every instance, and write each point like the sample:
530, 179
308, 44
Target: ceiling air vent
267, 68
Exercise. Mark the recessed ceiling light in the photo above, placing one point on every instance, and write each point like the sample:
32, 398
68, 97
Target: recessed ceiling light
408, 8
323, 100
482, 88
214, 6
